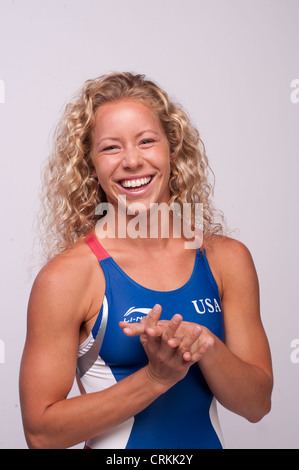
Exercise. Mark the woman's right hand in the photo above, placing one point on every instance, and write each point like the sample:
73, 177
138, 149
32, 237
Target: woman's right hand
168, 346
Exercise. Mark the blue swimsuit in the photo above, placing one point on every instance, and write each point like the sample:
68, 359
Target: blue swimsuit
185, 417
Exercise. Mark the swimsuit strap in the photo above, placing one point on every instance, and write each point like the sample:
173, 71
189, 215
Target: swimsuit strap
95, 246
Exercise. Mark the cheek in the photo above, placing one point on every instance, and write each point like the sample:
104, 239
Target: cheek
166, 167
103, 179
161, 159
103, 168
105, 172
100, 172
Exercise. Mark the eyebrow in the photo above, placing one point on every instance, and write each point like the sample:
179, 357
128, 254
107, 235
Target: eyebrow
152, 131
99, 142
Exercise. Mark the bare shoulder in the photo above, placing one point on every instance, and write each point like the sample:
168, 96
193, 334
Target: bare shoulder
226, 248
229, 260
67, 270
68, 282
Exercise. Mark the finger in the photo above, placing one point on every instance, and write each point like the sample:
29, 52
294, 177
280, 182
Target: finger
203, 349
166, 349
172, 326
187, 356
174, 342
155, 331
189, 341
151, 338
152, 317
159, 333
132, 329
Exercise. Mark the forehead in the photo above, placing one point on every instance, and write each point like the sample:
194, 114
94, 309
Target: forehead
123, 115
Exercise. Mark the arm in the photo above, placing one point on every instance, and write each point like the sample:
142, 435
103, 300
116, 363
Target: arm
239, 372
51, 420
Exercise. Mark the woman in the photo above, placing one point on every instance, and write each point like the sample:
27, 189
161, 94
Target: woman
156, 331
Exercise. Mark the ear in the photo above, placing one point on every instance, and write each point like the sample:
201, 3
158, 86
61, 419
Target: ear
93, 173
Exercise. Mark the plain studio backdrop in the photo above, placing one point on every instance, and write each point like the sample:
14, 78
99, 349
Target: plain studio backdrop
234, 66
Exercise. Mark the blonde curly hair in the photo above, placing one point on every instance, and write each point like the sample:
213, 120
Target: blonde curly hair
70, 192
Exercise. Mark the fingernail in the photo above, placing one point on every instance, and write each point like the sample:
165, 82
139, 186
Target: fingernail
176, 319
187, 356
150, 331
156, 308
197, 330
127, 331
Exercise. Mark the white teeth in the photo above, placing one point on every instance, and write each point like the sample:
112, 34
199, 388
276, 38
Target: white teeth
135, 183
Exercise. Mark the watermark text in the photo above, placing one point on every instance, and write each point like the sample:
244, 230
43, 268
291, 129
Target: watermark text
136, 220
2, 91
295, 93
2, 352
295, 353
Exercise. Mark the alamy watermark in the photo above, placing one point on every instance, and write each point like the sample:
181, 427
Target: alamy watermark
2, 91
2, 352
295, 93
295, 353
136, 220
295, 342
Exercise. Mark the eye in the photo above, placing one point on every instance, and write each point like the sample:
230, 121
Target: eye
147, 141
110, 147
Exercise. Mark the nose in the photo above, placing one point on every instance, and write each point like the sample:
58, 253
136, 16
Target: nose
132, 158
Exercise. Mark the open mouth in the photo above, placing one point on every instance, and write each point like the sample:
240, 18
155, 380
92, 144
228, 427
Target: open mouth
135, 184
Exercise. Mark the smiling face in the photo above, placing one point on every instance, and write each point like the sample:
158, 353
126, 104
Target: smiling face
130, 153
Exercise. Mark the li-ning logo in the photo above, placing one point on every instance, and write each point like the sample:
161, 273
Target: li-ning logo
206, 305
135, 318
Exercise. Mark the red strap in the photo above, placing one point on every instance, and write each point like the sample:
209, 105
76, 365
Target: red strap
95, 246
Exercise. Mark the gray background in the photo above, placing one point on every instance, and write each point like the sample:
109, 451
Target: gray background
231, 64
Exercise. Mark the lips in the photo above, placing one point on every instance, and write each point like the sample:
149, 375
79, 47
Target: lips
135, 184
